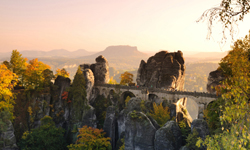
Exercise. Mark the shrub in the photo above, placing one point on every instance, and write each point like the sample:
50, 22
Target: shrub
48, 137
91, 139
160, 114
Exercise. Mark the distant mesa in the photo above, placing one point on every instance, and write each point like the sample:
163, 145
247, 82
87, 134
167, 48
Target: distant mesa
163, 70
119, 52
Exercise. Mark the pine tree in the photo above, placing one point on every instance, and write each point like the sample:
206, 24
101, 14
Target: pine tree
78, 91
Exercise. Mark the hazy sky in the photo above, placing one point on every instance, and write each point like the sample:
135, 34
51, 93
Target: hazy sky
151, 25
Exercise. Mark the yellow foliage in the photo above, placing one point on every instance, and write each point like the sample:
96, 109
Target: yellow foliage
126, 78
90, 139
127, 100
160, 114
62, 72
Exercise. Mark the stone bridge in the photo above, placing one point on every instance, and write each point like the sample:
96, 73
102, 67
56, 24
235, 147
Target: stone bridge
158, 95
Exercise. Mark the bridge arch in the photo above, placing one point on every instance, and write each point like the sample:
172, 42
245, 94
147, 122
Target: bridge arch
123, 97
154, 98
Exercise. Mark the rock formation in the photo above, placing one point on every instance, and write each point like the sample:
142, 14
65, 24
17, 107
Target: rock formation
163, 70
168, 137
89, 80
97, 73
182, 112
201, 126
8, 139
214, 79
139, 132
110, 125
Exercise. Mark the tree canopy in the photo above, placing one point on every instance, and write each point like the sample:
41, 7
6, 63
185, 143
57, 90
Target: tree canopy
235, 90
62, 72
79, 93
228, 13
126, 78
8, 81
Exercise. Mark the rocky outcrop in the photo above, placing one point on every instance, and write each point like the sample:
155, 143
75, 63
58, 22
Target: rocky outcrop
182, 113
139, 132
163, 70
110, 125
89, 80
214, 79
60, 110
97, 73
168, 137
101, 71
201, 126
8, 139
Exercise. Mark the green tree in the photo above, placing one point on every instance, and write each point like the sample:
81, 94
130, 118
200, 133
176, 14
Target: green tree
235, 91
47, 136
79, 94
17, 64
47, 77
126, 78
91, 139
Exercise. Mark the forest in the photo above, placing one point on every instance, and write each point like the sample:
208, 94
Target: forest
34, 103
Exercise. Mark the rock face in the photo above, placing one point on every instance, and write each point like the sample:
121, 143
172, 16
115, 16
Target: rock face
163, 70
214, 79
139, 132
201, 127
168, 137
110, 125
97, 73
61, 109
101, 71
182, 112
89, 80
8, 138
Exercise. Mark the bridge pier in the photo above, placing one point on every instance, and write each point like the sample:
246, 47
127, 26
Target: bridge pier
201, 108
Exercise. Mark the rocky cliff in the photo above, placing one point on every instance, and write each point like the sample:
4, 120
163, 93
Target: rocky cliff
163, 70
214, 79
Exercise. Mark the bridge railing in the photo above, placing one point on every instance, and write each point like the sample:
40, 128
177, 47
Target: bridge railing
203, 94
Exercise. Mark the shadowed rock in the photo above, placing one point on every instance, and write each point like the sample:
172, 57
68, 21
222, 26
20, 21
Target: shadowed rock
214, 79
139, 132
168, 137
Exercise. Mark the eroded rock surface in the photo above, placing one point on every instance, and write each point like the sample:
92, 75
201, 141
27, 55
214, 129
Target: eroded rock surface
110, 125
8, 139
163, 70
214, 79
168, 137
139, 132
201, 126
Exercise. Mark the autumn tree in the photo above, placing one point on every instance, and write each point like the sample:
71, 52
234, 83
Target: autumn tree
126, 78
235, 92
62, 72
112, 81
229, 12
91, 139
34, 74
78, 91
47, 77
8, 81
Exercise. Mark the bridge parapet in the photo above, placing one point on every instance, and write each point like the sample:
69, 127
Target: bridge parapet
152, 90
